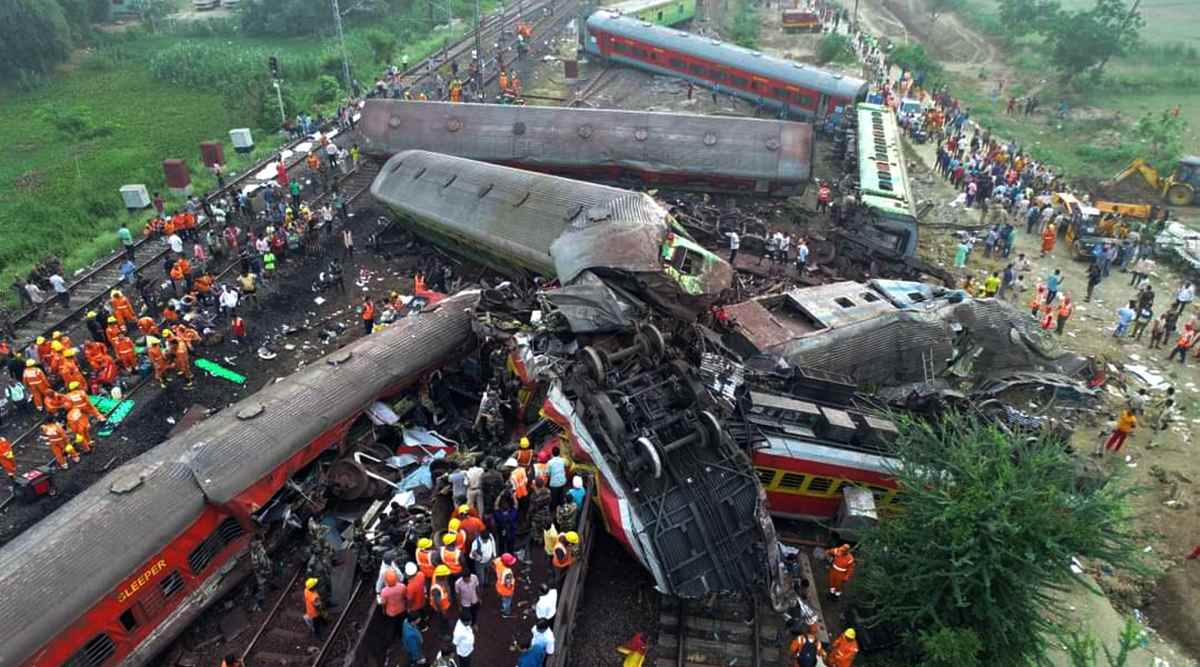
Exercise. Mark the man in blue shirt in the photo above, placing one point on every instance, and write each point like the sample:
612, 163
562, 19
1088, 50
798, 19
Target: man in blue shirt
534, 656
1053, 284
1125, 315
577, 493
411, 638
556, 468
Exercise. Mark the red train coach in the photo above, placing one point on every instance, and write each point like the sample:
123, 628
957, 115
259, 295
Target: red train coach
791, 88
115, 574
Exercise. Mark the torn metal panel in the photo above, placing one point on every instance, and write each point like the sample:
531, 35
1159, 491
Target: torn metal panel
591, 307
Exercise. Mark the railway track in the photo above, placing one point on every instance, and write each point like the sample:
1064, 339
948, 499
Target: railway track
282, 638
594, 86
729, 631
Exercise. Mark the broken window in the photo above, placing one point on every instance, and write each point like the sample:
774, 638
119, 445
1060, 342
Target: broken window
686, 262
869, 297
844, 302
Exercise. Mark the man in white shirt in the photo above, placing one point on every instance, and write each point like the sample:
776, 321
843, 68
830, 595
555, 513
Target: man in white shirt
543, 634
735, 242
60, 290
547, 603
1184, 297
464, 639
176, 244
475, 490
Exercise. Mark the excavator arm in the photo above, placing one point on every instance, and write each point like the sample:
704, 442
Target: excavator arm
1141, 167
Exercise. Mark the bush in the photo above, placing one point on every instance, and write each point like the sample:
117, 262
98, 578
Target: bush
383, 46
328, 89
950, 647
744, 31
74, 123
834, 47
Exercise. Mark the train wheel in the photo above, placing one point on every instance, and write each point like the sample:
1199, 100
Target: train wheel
610, 420
1181, 194
710, 429
652, 456
591, 357
655, 343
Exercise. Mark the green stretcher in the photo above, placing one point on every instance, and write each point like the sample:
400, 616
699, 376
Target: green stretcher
115, 412
217, 370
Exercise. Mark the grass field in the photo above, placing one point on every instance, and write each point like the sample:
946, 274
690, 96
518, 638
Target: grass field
59, 188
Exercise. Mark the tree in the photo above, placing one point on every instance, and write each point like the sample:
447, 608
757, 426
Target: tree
989, 525
34, 37
285, 17
383, 45
915, 59
1163, 134
1081, 647
939, 7
834, 47
1084, 41
1025, 17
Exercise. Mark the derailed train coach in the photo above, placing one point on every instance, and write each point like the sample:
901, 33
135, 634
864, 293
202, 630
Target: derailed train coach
675, 150
115, 574
524, 222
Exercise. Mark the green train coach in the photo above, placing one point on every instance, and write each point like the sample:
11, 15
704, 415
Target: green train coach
660, 12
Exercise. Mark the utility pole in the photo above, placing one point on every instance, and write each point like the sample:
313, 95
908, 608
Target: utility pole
279, 98
479, 52
337, 20
855, 23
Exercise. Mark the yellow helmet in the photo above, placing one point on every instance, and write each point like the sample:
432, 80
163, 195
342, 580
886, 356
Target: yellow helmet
311, 583
850, 634
30, 363
455, 524
69, 352
524, 443
464, 510
166, 333
449, 538
424, 543
151, 340
117, 292
40, 340
56, 335
73, 386
441, 571
573, 537
112, 320
91, 314
56, 346
78, 437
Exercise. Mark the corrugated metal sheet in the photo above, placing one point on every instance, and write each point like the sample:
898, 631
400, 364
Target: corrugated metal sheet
557, 138
56, 570
807, 76
521, 214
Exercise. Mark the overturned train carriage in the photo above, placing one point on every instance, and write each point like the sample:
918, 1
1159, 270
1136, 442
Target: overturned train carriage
688, 151
521, 221
116, 573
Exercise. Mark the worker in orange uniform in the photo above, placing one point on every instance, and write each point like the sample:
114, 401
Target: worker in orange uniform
414, 598
506, 582
393, 598
805, 649
92, 351
451, 557
126, 354
76, 399
564, 555
524, 453
843, 650
63, 339
56, 438
427, 558
147, 326
113, 329
7, 460
36, 382
460, 536
53, 361
158, 360
43, 348
439, 596
368, 315
105, 375
186, 333
840, 570
81, 426
68, 369
231, 660
122, 309
55, 402
314, 614
183, 362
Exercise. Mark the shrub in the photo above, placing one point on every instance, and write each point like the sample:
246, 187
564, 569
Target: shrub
383, 45
834, 47
328, 89
744, 31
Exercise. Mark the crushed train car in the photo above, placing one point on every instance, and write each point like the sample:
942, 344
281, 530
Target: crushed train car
675, 150
521, 221
888, 332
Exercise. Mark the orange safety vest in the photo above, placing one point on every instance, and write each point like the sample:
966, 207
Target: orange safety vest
146, 325
368, 311
520, 482
524, 457
55, 435
1064, 311
1186, 340
842, 653
439, 597
450, 558
34, 378
425, 561
506, 583
311, 600
563, 558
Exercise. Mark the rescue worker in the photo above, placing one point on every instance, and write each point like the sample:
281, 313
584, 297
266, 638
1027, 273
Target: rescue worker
506, 582
368, 315
92, 352
451, 556
414, 599
439, 595
122, 310
43, 348
126, 354
68, 369
146, 325
524, 453
843, 650
393, 599
55, 402
183, 362
113, 329
76, 399
840, 570
564, 556
1065, 310
805, 650
79, 424
94, 327
313, 612
36, 382
56, 438
158, 360
55, 359
263, 569
427, 558
7, 460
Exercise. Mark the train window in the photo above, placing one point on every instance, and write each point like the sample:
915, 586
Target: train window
781, 93
171, 584
805, 101
676, 63
822, 485
640, 53
696, 69
717, 75
739, 81
128, 621
791, 480
765, 476
686, 262
94, 653
618, 46
844, 302
202, 555
868, 297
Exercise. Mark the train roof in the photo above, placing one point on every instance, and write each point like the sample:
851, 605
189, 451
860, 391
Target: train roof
756, 62
554, 225
883, 177
59, 568
576, 137
769, 323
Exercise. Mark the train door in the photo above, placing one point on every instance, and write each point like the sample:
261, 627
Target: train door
760, 87
822, 104
659, 56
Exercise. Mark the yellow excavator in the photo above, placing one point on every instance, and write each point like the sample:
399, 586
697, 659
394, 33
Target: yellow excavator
1178, 189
